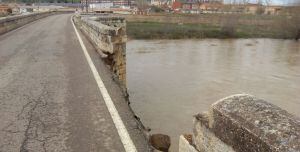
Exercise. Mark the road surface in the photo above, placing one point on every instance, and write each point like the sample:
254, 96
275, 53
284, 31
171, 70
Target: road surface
49, 99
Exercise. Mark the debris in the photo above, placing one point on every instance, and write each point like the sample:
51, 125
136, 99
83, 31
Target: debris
160, 142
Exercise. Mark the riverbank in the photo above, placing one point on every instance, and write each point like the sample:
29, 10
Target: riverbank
156, 30
208, 26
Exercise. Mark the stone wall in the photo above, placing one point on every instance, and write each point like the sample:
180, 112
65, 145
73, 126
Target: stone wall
108, 34
12, 22
244, 123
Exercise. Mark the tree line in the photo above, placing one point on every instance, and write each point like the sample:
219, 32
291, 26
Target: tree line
42, 1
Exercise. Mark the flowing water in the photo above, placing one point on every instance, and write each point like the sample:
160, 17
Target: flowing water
169, 81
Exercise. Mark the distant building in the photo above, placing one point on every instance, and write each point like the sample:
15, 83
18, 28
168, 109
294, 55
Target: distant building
259, 9
218, 6
90, 1
110, 6
252, 8
159, 2
5, 9
273, 10
177, 5
196, 6
211, 7
25, 9
123, 3
211, 1
108, 2
101, 5
190, 6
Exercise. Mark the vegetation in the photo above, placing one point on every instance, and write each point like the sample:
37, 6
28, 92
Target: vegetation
286, 25
156, 9
229, 25
155, 30
43, 1
158, 30
292, 22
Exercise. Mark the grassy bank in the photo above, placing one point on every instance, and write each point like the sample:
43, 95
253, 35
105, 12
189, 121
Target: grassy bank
177, 26
159, 30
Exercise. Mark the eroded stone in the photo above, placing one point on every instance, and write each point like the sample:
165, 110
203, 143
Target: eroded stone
247, 123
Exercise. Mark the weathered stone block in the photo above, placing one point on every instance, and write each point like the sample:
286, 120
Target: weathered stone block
204, 139
247, 123
185, 146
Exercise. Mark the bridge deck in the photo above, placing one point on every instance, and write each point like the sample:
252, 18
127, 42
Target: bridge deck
49, 100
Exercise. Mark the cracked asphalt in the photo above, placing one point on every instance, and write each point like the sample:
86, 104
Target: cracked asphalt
49, 100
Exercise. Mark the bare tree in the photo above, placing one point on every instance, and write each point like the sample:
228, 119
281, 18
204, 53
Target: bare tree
142, 4
262, 4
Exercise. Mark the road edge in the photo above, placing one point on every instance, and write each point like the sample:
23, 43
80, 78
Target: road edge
122, 131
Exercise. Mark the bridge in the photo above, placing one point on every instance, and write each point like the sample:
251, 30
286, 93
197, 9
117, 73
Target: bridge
49, 96
63, 88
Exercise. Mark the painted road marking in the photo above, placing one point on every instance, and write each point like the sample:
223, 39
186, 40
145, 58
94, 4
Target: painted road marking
122, 131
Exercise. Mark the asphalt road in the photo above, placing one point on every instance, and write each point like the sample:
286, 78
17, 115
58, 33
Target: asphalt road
49, 99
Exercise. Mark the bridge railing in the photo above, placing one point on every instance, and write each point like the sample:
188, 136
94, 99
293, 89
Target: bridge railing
12, 22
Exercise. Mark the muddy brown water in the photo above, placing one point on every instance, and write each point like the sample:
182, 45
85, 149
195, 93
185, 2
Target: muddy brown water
169, 81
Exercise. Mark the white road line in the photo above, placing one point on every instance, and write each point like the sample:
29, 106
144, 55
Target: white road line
122, 131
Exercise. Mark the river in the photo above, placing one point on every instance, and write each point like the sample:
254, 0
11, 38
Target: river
169, 81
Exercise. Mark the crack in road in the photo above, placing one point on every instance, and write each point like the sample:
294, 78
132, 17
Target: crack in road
34, 120
36, 112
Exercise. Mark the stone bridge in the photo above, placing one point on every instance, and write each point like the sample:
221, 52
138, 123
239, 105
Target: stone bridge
63, 88
56, 94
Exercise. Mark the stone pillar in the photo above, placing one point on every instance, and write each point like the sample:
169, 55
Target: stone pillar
119, 62
118, 41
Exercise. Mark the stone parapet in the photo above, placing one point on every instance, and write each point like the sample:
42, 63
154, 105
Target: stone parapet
245, 123
108, 34
12, 22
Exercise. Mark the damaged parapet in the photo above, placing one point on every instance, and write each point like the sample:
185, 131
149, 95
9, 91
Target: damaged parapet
244, 123
108, 34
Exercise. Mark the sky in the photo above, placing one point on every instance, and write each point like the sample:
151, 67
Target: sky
274, 2
278, 1
283, 1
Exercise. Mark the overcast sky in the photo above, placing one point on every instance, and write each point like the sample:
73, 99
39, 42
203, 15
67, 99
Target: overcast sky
274, 2
283, 1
